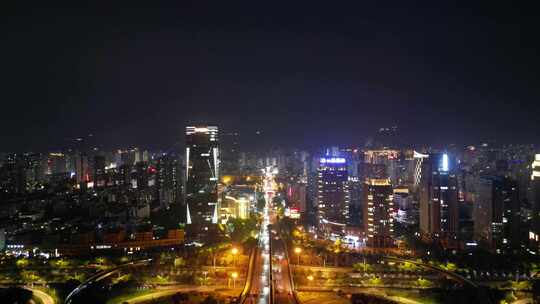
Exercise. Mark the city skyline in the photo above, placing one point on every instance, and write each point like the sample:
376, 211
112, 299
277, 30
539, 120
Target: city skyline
309, 152
459, 220
452, 72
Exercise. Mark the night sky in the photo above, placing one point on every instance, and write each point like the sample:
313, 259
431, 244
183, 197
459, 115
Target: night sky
304, 74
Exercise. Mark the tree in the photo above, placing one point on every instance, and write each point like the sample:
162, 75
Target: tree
60, 263
239, 230
100, 261
203, 279
30, 277
321, 251
261, 203
336, 249
159, 279
521, 285
363, 267
124, 260
179, 262
423, 283
165, 257
213, 251
448, 266
77, 276
406, 266
121, 279
250, 243
22, 263
375, 281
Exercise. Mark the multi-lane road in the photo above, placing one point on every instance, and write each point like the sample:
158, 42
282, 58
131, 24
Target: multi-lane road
283, 284
44, 297
92, 281
266, 284
258, 282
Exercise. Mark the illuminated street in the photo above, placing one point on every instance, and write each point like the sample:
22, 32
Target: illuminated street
42, 296
260, 287
284, 292
283, 285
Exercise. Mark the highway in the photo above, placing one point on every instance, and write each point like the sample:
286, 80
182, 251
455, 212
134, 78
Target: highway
258, 291
44, 297
91, 282
284, 289
170, 291
257, 288
450, 274
281, 272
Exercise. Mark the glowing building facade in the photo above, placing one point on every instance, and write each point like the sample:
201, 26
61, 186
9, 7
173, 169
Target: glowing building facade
202, 176
439, 198
333, 195
534, 232
496, 213
168, 180
378, 212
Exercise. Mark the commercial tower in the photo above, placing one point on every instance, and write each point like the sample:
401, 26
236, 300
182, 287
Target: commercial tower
534, 232
378, 209
496, 212
202, 176
438, 199
82, 169
382, 164
332, 193
168, 181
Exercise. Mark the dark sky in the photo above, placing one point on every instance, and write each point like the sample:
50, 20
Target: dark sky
303, 73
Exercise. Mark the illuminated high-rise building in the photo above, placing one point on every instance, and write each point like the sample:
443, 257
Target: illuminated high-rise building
56, 163
418, 161
496, 213
296, 195
534, 232
439, 215
378, 210
202, 176
355, 208
168, 181
382, 164
82, 169
99, 171
333, 195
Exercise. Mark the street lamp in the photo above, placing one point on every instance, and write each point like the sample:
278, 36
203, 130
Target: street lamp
298, 250
234, 275
310, 279
234, 252
205, 277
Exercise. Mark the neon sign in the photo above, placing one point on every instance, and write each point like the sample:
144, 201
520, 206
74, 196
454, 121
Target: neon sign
333, 160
